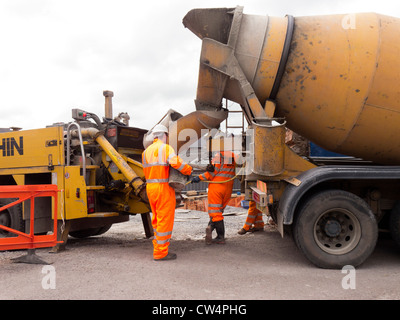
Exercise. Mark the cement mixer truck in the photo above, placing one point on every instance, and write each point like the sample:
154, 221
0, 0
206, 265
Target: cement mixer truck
333, 80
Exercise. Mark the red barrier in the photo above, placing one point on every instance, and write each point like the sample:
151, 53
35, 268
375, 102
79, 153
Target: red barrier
24, 240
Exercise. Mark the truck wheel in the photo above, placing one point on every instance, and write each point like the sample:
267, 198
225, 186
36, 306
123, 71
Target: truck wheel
335, 228
394, 223
103, 229
12, 218
86, 233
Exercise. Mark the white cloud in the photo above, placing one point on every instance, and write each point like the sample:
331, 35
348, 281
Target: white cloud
60, 54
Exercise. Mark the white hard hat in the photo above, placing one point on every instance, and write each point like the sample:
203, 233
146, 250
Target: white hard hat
159, 128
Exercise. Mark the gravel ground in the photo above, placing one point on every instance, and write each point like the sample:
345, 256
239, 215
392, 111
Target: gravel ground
190, 224
255, 266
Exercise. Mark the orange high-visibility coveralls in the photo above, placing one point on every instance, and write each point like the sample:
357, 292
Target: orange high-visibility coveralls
156, 160
254, 216
219, 194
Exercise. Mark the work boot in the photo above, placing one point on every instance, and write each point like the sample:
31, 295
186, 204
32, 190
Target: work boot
209, 230
169, 256
220, 227
255, 229
242, 231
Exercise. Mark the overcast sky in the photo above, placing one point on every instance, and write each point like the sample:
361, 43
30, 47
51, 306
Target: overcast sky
61, 54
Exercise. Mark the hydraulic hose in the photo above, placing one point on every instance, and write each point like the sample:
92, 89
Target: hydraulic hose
133, 179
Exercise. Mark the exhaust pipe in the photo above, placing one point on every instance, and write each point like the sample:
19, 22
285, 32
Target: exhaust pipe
108, 104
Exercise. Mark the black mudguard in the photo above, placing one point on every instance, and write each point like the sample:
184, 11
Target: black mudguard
311, 178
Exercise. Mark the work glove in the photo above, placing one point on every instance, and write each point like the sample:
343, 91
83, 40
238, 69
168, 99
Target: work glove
195, 180
210, 168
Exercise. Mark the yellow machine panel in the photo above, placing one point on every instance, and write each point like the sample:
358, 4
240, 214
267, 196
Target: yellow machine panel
32, 148
75, 193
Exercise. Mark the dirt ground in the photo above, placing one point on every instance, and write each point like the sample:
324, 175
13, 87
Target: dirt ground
261, 266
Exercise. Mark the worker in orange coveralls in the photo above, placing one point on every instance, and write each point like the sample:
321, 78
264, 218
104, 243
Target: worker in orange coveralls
219, 193
254, 216
156, 160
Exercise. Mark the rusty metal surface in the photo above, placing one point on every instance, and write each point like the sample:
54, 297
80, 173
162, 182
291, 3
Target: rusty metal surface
210, 23
269, 153
242, 67
340, 88
186, 130
340, 83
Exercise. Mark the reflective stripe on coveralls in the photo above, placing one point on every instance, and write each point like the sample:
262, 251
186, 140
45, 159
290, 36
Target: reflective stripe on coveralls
220, 194
254, 216
156, 160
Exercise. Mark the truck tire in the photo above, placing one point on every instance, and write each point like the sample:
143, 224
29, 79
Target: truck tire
335, 228
11, 217
103, 229
86, 233
394, 223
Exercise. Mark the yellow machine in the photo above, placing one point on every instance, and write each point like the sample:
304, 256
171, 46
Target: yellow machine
333, 80
96, 165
